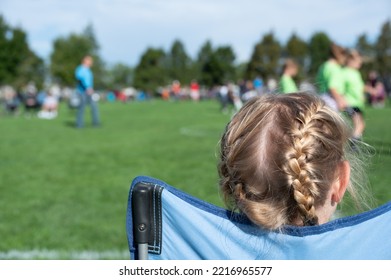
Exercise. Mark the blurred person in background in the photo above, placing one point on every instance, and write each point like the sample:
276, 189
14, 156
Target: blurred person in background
176, 89
11, 101
223, 98
30, 100
234, 96
258, 85
194, 90
248, 91
85, 90
49, 107
330, 78
289, 71
375, 90
354, 93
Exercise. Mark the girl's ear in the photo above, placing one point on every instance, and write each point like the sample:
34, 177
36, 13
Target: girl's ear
342, 182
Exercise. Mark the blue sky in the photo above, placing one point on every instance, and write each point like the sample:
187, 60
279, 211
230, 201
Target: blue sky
125, 28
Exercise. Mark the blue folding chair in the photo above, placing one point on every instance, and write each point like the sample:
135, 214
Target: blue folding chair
165, 223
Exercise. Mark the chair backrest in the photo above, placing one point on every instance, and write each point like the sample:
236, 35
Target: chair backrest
180, 226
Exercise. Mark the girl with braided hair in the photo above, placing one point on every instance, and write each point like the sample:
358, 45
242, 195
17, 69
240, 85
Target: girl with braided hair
285, 160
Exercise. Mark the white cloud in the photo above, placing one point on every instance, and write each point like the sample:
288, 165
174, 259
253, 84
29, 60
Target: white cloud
125, 28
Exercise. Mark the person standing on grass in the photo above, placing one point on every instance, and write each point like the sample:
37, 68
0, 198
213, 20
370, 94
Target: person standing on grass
354, 93
330, 78
85, 91
287, 84
376, 90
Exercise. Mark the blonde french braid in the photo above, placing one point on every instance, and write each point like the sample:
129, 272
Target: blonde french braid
299, 168
279, 157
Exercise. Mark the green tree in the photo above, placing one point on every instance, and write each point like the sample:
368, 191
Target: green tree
366, 49
119, 76
225, 58
5, 65
319, 47
151, 72
265, 58
241, 70
383, 49
19, 64
68, 53
364, 46
203, 59
216, 66
297, 49
179, 63
32, 68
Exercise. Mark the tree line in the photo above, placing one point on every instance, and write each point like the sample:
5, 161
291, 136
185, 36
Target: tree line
213, 65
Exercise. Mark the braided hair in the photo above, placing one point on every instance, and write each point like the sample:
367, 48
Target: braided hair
279, 157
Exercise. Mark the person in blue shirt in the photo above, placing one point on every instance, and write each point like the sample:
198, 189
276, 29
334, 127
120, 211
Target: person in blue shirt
85, 90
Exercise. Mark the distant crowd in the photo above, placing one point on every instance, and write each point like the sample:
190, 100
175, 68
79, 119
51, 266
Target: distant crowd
44, 103
233, 95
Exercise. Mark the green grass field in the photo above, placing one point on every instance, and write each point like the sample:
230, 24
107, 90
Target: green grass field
64, 191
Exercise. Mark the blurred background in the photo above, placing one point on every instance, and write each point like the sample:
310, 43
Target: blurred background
161, 72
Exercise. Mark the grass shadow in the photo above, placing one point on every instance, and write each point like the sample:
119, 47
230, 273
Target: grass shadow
70, 123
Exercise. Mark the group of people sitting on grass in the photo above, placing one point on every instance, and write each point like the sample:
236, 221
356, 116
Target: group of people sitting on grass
42, 104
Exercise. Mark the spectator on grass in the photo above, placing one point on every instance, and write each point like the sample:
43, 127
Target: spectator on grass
330, 78
234, 96
354, 92
11, 101
49, 107
224, 98
258, 85
248, 91
285, 160
375, 90
194, 90
30, 99
176, 89
289, 71
85, 90
110, 96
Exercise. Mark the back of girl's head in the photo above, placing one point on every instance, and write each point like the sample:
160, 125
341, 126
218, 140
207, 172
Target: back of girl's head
279, 156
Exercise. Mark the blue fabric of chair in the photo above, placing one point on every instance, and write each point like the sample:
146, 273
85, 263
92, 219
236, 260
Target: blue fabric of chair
194, 229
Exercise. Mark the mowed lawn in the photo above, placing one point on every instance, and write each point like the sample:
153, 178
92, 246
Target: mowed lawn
65, 190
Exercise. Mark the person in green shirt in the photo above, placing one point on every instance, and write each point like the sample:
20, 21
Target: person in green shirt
354, 92
330, 80
286, 83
